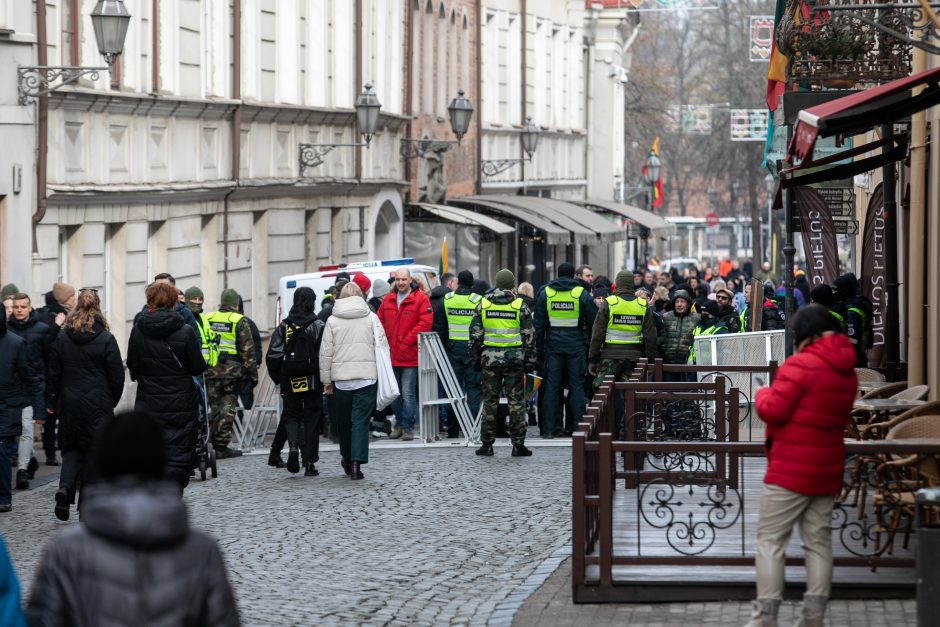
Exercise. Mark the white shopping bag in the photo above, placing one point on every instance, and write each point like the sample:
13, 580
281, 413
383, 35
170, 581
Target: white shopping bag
387, 385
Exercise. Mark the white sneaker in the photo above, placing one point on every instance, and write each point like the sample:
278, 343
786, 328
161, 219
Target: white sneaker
379, 434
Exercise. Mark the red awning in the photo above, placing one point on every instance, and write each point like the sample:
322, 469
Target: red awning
862, 111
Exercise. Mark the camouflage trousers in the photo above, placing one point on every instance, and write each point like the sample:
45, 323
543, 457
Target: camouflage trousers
223, 401
620, 369
508, 382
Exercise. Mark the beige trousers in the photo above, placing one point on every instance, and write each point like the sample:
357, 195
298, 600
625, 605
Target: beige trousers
780, 511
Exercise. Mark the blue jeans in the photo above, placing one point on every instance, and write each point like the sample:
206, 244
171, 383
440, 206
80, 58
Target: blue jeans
406, 405
7, 454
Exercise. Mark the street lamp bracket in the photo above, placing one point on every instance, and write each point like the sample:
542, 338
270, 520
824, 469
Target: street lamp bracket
415, 148
34, 81
311, 155
492, 167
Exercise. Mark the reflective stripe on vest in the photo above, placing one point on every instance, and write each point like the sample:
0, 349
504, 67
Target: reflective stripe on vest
625, 322
223, 323
839, 317
743, 320
697, 331
564, 307
207, 338
460, 309
502, 327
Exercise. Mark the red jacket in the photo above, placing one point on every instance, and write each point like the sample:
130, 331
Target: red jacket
806, 409
403, 324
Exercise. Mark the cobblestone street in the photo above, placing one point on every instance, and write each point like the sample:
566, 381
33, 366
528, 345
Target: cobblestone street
431, 536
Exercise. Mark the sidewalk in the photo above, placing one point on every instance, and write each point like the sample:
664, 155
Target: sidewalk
551, 605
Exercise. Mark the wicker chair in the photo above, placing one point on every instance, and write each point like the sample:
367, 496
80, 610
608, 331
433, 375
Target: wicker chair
879, 430
899, 479
913, 393
886, 390
867, 375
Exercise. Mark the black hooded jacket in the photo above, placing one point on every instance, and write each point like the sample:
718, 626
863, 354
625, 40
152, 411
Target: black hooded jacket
163, 356
48, 314
37, 336
132, 561
18, 382
312, 332
86, 381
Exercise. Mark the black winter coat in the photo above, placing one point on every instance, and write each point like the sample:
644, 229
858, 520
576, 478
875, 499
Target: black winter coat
48, 314
86, 381
313, 333
133, 560
18, 382
37, 337
163, 356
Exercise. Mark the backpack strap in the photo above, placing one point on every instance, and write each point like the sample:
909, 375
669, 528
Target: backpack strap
297, 333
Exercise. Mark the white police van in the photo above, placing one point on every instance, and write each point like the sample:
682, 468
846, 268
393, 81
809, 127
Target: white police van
322, 280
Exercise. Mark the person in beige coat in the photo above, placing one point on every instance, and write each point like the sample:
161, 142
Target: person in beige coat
349, 374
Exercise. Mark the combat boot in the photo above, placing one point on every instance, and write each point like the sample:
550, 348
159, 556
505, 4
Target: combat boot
22, 479
814, 611
485, 450
764, 613
311, 470
293, 459
275, 460
519, 450
62, 502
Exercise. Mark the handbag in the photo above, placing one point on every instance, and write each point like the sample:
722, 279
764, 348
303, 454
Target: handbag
387, 384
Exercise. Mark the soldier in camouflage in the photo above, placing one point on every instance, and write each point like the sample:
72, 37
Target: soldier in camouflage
623, 332
236, 360
502, 347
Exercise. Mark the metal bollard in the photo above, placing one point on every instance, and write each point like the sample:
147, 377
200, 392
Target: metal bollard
928, 552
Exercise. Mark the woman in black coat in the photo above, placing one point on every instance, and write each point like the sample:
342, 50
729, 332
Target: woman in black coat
163, 356
86, 380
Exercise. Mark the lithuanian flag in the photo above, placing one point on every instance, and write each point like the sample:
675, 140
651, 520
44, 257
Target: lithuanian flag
442, 266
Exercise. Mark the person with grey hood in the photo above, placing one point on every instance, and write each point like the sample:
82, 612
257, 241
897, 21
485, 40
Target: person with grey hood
679, 323
114, 568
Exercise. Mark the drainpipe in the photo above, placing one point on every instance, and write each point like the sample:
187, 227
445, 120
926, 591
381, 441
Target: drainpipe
892, 331
525, 74
479, 81
409, 86
357, 26
42, 126
236, 128
916, 245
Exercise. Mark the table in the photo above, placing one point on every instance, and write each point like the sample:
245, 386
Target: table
886, 405
868, 386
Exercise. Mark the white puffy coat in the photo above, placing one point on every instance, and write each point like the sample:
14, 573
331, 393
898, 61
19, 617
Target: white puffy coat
347, 350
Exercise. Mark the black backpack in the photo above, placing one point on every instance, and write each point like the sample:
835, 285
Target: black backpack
300, 354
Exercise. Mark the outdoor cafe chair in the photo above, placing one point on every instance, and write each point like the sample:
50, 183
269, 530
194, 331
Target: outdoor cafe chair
878, 430
867, 375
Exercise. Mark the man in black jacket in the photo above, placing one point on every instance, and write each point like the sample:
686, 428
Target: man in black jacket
19, 383
113, 567
300, 387
25, 323
59, 303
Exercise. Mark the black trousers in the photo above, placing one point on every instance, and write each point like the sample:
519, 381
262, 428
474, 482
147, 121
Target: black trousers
48, 434
301, 418
78, 472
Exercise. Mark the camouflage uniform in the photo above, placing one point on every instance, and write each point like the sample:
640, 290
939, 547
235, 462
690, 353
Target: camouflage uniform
222, 383
503, 371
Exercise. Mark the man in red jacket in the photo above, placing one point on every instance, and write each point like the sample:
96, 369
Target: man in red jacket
806, 410
405, 312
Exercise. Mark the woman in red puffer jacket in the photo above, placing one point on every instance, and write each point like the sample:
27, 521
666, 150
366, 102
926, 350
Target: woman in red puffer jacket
806, 410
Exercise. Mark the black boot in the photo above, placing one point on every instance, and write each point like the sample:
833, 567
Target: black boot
346, 466
31, 468
355, 472
519, 450
275, 460
486, 449
293, 460
22, 479
62, 501
50, 458
310, 470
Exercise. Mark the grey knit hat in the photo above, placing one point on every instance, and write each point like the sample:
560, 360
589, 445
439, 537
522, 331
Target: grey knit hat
379, 288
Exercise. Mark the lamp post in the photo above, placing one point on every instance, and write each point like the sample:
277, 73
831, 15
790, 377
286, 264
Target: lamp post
734, 242
530, 141
460, 111
367, 118
109, 19
770, 184
652, 170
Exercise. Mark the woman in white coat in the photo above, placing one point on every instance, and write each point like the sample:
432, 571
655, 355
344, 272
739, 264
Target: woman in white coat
349, 374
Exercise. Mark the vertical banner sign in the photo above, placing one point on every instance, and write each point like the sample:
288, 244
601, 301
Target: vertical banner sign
762, 37
819, 236
873, 273
749, 125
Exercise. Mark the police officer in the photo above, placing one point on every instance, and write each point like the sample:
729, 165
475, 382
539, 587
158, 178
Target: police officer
857, 313
502, 346
623, 332
236, 360
823, 295
452, 323
564, 316
208, 339
710, 323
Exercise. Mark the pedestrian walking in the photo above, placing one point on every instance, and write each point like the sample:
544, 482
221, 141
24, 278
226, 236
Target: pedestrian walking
25, 323
502, 347
133, 560
680, 323
59, 302
6, 296
857, 312
452, 323
806, 409
623, 332
246, 385
86, 381
405, 312
563, 318
236, 362
181, 308
380, 289
349, 374
208, 339
19, 384
163, 356
293, 364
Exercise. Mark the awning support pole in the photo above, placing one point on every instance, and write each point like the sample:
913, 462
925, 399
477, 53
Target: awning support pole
892, 332
789, 252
